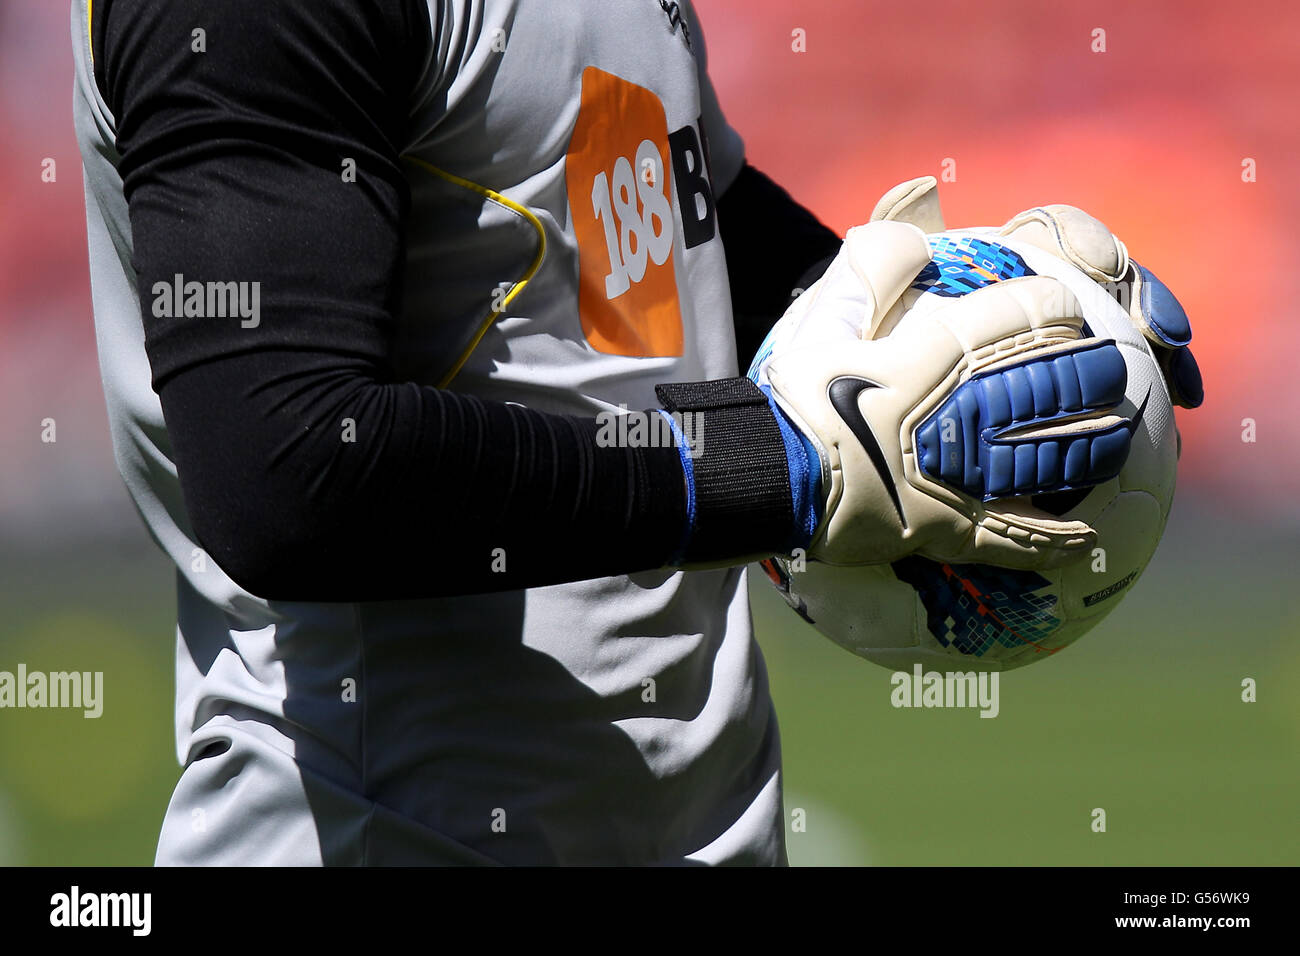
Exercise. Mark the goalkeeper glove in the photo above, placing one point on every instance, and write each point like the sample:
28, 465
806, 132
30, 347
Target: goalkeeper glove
1089, 246
1083, 241
1006, 367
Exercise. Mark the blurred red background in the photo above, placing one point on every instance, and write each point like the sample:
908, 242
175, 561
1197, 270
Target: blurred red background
1149, 135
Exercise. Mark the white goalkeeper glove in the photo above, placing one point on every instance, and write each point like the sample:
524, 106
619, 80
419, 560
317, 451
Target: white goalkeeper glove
932, 439
1085, 243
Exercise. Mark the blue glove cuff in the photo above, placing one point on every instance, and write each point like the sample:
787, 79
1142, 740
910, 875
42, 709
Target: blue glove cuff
688, 470
805, 476
751, 484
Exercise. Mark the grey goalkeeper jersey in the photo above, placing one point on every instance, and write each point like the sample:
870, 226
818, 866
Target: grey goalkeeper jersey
562, 254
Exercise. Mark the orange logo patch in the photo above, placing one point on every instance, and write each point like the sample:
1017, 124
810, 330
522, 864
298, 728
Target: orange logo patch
620, 195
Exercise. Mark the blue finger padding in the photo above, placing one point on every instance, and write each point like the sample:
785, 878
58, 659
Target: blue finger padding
1026, 465
1110, 451
1001, 466
1049, 458
1161, 310
1067, 384
1101, 375
1016, 382
1076, 461
1043, 388
1184, 378
965, 444
996, 399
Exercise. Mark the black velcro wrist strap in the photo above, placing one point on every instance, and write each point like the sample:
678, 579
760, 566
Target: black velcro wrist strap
743, 503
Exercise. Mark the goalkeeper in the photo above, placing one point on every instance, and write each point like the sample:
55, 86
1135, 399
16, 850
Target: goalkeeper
366, 276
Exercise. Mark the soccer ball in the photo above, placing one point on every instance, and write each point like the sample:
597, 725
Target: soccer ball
980, 617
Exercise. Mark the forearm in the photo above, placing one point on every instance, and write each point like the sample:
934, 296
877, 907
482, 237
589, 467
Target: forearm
306, 478
773, 245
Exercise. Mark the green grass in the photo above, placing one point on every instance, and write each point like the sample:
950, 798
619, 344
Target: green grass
73, 790
1142, 718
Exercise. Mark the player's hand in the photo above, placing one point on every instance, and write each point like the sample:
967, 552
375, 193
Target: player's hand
933, 438
1085, 243
1081, 240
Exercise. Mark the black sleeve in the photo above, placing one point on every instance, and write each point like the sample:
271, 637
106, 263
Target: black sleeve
773, 246
308, 471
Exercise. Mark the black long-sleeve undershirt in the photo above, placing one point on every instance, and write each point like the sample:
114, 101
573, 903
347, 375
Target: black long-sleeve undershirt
308, 471
771, 242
